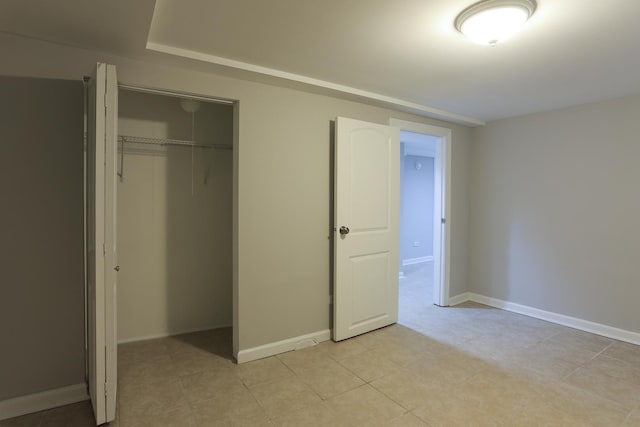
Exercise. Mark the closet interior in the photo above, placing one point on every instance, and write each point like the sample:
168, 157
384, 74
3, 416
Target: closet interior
174, 215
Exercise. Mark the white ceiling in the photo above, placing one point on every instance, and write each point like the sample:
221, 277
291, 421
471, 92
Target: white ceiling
404, 51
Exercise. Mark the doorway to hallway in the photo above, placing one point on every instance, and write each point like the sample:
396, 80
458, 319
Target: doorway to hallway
424, 207
417, 155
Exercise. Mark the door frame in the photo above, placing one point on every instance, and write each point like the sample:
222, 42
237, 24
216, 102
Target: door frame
234, 254
442, 205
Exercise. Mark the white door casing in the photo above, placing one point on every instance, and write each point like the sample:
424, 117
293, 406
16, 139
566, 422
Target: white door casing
367, 202
441, 205
101, 242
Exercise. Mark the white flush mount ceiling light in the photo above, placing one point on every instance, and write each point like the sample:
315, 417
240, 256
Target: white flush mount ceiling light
491, 21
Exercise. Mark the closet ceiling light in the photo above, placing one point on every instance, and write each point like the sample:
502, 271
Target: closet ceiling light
189, 105
491, 21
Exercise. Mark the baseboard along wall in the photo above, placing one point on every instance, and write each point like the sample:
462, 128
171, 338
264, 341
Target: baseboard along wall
419, 260
36, 402
560, 319
283, 346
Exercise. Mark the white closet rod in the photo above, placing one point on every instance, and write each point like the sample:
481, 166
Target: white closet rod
164, 141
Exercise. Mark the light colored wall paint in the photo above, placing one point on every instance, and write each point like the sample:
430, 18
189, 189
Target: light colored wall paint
41, 238
416, 225
459, 216
555, 221
283, 183
174, 239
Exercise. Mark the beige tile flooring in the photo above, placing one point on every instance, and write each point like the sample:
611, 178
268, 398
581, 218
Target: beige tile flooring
469, 365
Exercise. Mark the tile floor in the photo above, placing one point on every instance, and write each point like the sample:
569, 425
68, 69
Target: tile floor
469, 365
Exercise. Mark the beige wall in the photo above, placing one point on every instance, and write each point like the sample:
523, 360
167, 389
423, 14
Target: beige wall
174, 232
460, 165
555, 212
41, 235
283, 182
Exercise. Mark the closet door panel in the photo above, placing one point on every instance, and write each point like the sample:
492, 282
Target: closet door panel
101, 243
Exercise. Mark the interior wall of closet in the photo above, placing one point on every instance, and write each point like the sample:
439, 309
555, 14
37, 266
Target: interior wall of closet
174, 213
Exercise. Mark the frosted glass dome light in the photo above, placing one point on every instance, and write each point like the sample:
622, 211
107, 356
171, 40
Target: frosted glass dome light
189, 105
491, 21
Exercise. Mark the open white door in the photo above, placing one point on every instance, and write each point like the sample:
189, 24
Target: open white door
101, 242
366, 241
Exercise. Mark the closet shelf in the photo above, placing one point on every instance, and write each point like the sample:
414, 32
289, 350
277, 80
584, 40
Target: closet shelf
178, 142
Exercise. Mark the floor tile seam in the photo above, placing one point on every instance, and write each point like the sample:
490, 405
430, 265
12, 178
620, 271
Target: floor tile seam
581, 416
401, 415
281, 416
335, 359
309, 387
583, 349
376, 390
289, 369
622, 360
493, 382
564, 357
412, 412
267, 382
289, 412
354, 373
612, 377
393, 400
601, 352
597, 396
633, 369
573, 371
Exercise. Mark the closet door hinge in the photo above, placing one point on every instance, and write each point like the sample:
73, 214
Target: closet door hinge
104, 250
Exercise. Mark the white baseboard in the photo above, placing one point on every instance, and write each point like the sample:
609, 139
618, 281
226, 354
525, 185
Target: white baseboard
459, 299
419, 260
283, 346
560, 319
170, 334
41, 401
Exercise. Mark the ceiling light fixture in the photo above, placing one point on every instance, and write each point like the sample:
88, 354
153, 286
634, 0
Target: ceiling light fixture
491, 21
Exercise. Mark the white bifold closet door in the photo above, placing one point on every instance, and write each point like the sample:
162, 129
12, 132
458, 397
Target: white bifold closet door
102, 258
367, 221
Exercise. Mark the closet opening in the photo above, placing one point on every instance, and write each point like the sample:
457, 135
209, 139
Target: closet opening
175, 172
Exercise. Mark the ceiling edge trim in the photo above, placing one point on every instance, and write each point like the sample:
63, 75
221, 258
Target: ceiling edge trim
420, 109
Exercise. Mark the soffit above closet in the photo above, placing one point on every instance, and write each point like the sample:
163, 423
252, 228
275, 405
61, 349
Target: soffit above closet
117, 26
570, 52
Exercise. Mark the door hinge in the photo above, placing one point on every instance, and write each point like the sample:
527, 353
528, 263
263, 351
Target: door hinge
444, 220
104, 250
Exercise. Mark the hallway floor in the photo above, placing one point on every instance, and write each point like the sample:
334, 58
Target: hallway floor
469, 365
416, 293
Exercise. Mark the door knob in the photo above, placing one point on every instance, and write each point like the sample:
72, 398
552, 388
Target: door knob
116, 268
344, 230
